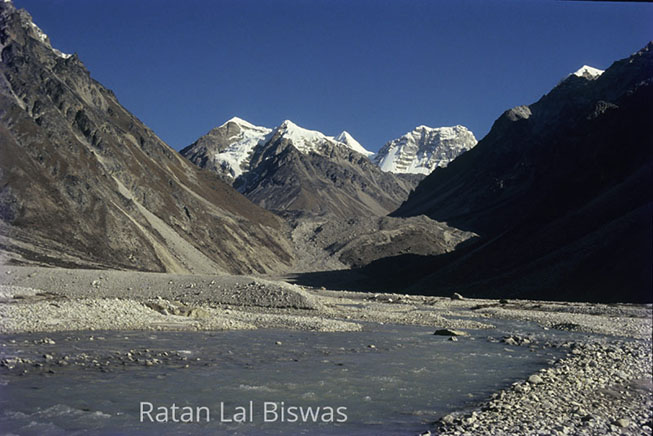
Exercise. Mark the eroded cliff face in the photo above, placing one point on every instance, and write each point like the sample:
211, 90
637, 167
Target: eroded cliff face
84, 182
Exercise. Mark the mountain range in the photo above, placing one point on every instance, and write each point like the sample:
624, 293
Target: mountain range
296, 171
293, 170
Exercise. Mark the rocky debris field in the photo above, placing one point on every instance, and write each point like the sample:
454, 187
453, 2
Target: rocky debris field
602, 386
196, 288
51, 299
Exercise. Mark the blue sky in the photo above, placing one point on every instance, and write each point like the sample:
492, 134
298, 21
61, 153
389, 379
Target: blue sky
376, 68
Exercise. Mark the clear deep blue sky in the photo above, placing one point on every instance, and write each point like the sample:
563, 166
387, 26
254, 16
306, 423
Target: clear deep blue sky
375, 68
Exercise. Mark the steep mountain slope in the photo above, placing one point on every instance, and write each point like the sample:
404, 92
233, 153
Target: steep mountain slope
559, 191
297, 171
83, 182
424, 149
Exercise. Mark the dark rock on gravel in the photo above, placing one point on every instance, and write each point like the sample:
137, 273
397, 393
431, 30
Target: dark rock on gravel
450, 332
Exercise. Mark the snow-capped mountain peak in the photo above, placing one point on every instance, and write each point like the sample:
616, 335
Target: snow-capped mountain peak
588, 72
288, 124
302, 139
345, 137
242, 123
350, 142
423, 149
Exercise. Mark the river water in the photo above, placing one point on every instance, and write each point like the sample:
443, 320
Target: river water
384, 380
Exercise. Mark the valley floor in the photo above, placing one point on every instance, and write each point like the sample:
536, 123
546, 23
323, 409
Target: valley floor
602, 386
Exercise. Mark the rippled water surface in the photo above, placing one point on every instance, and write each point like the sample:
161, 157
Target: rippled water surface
390, 379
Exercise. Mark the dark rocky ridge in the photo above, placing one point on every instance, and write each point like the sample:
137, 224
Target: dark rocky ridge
560, 192
83, 182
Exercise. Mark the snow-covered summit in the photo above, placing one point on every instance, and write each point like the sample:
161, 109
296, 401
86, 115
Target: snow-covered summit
350, 142
423, 149
588, 72
302, 139
236, 145
242, 123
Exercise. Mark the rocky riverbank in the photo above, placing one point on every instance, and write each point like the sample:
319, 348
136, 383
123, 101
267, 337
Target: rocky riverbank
600, 388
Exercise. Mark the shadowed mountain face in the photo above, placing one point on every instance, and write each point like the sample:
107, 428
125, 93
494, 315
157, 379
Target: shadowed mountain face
296, 171
560, 192
84, 183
